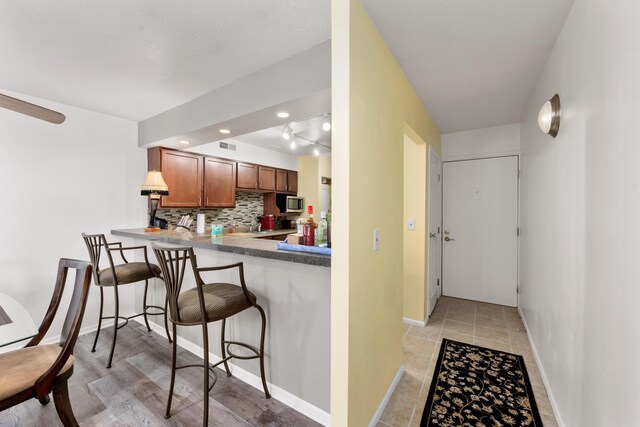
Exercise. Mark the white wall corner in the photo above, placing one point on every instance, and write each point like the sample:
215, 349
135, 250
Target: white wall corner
387, 396
552, 399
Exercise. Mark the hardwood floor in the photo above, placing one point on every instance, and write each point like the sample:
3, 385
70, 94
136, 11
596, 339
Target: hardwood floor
134, 391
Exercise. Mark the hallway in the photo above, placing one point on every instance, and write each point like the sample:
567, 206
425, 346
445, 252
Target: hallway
487, 325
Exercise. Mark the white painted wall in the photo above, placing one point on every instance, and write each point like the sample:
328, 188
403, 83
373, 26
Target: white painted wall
487, 142
56, 182
248, 153
580, 269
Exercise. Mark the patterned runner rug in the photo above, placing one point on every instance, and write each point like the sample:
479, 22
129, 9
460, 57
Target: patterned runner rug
479, 387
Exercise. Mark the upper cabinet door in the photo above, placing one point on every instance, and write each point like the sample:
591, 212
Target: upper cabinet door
281, 181
247, 176
292, 181
219, 183
183, 174
266, 178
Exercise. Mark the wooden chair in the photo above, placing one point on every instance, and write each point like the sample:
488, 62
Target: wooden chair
204, 304
35, 371
118, 275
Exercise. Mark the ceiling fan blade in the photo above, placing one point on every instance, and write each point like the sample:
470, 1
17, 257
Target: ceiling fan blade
30, 109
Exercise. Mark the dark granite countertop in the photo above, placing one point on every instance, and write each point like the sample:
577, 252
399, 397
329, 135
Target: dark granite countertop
228, 243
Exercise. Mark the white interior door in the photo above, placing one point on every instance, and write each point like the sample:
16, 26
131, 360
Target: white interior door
480, 220
434, 249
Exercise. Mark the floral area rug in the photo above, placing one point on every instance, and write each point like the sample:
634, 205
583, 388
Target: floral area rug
479, 387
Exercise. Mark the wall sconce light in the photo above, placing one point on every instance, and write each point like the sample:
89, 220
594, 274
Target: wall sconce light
549, 116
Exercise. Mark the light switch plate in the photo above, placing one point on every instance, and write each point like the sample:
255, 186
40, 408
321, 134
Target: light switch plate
411, 224
376, 239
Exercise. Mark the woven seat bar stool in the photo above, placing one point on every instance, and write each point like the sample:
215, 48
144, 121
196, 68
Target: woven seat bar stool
207, 302
116, 275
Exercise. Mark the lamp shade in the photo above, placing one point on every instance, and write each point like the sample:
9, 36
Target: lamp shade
154, 185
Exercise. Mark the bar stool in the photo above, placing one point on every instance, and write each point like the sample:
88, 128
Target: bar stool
115, 276
201, 305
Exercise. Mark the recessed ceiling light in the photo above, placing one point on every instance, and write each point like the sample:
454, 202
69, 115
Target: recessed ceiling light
283, 114
293, 145
316, 152
225, 131
185, 142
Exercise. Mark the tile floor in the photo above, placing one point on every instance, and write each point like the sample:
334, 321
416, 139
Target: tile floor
487, 325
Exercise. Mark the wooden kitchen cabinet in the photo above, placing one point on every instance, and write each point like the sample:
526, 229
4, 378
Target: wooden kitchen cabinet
219, 183
255, 177
182, 172
292, 182
266, 178
247, 176
281, 181
286, 181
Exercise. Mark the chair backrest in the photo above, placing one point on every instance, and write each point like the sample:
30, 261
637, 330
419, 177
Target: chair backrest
95, 244
73, 319
173, 262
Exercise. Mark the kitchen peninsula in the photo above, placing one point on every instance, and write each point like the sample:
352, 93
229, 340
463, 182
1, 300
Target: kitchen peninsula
295, 291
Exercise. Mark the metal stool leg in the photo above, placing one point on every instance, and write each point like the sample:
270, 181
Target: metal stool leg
145, 306
166, 322
115, 325
95, 341
173, 372
205, 342
223, 349
262, 333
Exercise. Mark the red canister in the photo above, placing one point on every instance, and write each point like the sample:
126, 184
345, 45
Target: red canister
267, 222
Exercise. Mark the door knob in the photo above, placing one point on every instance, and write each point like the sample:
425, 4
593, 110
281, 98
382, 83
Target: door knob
447, 239
432, 235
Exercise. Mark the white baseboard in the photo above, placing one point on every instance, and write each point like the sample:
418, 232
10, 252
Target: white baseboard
414, 322
289, 399
387, 396
83, 331
543, 375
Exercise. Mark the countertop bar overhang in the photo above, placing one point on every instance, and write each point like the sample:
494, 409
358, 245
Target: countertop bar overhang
227, 243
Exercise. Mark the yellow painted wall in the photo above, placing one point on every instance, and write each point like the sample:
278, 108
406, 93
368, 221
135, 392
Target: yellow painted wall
311, 169
307, 183
415, 241
373, 105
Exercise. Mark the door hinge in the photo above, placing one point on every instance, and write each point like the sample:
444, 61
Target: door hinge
518, 173
438, 282
438, 177
438, 230
517, 289
517, 231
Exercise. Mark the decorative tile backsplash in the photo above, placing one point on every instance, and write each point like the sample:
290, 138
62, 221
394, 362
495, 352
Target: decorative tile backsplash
248, 207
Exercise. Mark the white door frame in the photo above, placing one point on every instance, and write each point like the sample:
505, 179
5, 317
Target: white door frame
517, 154
430, 226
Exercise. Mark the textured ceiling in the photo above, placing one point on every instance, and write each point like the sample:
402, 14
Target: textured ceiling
137, 58
473, 63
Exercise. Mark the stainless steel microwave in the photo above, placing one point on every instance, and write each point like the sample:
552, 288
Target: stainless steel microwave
294, 204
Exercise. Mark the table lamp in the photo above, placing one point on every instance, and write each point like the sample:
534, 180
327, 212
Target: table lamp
154, 187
